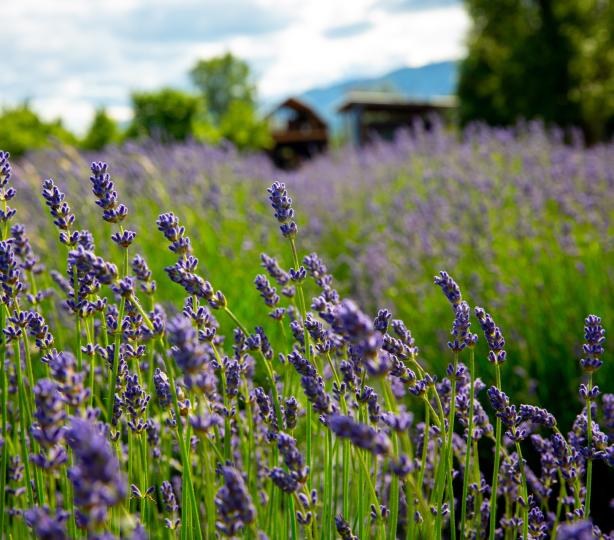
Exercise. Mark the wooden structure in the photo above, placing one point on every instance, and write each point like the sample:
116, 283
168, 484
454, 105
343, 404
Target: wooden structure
298, 133
370, 115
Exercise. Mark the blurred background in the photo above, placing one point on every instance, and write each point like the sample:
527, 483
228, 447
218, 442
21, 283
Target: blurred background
414, 135
106, 72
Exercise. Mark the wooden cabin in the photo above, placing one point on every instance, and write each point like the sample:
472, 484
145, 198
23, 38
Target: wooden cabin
298, 132
371, 115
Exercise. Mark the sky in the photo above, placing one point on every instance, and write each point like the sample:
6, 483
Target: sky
70, 56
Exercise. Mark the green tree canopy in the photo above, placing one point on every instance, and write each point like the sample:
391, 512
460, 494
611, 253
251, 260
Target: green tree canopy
221, 81
102, 131
22, 130
243, 128
539, 59
167, 114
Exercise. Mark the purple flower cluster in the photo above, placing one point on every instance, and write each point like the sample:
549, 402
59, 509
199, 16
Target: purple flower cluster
98, 483
234, 503
361, 435
493, 335
104, 191
592, 350
282, 205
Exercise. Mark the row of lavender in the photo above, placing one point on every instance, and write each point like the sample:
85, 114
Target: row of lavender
523, 220
121, 417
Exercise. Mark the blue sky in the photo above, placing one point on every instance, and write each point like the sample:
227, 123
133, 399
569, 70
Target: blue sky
70, 56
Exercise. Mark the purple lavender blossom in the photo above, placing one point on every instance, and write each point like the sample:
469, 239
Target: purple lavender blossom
135, 400
124, 238
344, 529
97, 481
168, 497
143, 275
48, 430
274, 270
357, 328
460, 329
6, 193
594, 334
580, 530
493, 335
9, 273
106, 196
268, 293
380, 323
449, 288
282, 205
234, 503
190, 355
290, 412
63, 367
360, 435
168, 224
45, 525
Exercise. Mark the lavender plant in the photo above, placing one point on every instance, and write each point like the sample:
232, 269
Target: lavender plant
305, 417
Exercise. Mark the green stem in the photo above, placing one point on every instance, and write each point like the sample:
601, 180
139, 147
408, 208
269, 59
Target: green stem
589, 440
227, 430
185, 459
115, 370
495, 473
303, 310
525, 506
22, 426
450, 453
468, 446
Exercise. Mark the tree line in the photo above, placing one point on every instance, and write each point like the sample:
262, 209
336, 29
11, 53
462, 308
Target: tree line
222, 105
540, 59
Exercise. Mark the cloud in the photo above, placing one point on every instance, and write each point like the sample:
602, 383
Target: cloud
198, 21
395, 6
348, 30
71, 57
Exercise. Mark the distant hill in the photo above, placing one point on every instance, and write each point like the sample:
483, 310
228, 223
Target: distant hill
429, 81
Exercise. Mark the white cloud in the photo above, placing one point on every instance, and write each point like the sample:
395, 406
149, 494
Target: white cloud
70, 57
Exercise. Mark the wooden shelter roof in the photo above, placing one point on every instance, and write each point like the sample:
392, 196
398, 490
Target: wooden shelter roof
389, 101
301, 106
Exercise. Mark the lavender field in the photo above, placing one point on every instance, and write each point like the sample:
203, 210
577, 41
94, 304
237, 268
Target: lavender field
197, 345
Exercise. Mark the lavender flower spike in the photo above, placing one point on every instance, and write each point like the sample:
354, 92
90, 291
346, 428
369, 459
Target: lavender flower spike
104, 191
493, 335
284, 213
594, 334
359, 434
460, 329
6, 193
234, 503
96, 477
449, 288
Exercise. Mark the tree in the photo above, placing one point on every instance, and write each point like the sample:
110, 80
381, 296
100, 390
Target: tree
241, 126
221, 81
102, 131
536, 59
22, 130
167, 115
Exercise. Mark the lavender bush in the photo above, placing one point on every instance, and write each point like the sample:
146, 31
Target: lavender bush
302, 417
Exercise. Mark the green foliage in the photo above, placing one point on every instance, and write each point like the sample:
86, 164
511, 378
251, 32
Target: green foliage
21, 130
241, 126
223, 80
167, 114
102, 131
540, 59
